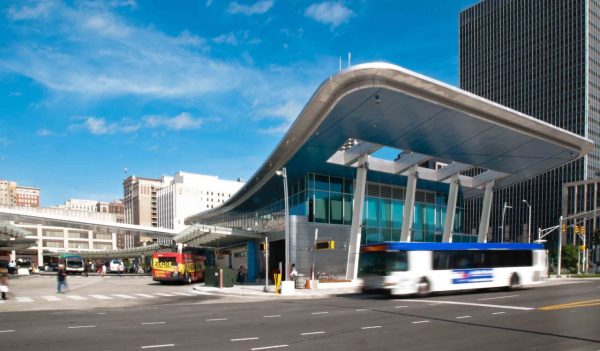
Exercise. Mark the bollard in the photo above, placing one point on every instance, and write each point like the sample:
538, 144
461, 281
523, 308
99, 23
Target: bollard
220, 278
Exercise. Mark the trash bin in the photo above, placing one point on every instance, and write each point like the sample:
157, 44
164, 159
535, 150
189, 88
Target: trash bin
300, 280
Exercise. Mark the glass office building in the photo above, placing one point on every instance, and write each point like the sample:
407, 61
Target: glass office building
539, 57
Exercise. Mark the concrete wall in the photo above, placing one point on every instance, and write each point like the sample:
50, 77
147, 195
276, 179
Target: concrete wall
329, 261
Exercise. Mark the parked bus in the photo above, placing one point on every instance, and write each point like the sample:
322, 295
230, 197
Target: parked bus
177, 267
401, 268
74, 264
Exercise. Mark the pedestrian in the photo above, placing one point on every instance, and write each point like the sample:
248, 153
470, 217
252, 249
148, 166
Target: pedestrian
86, 268
61, 279
103, 268
121, 268
12, 267
241, 275
293, 272
4, 282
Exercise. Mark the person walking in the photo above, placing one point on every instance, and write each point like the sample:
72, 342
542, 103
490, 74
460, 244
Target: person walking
12, 267
103, 270
61, 279
4, 282
121, 268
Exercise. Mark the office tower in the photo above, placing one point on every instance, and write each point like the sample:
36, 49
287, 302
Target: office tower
539, 57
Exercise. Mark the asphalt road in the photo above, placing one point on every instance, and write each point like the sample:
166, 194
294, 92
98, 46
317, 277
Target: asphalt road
552, 317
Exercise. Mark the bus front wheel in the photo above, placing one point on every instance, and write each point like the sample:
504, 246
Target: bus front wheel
423, 287
515, 282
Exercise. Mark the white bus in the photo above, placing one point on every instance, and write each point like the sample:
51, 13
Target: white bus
401, 268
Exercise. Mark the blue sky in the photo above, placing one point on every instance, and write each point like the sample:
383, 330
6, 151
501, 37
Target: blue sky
90, 88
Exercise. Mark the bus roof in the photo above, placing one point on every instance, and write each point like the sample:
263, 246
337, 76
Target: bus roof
412, 246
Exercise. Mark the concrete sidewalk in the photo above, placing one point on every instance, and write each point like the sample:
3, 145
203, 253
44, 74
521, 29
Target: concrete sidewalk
322, 291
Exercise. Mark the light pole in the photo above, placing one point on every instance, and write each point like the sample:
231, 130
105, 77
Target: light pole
283, 173
529, 226
503, 214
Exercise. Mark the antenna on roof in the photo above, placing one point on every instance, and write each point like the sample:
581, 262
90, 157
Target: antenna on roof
349, 58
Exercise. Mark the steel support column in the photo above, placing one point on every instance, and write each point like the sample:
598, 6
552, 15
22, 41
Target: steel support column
409, 204
451, 209
486, 209
357, 217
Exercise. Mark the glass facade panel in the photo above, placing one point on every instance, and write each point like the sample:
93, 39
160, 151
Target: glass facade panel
397, 212
321, 207
337, 208
348, 209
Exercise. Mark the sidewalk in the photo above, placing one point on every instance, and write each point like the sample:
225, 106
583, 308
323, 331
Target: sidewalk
324, 290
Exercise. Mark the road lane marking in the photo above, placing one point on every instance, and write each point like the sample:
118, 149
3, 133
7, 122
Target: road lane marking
419, 322
24, 299
7, 331
101, 297
245, 339
268, 347
82, 326
182, 293
313, 333
155, 346
164, 294
477, 304
497, 298
498, 312
76, 297
152, 323
320, 313
463, 317
361, 309
145, 295
51, 298
216, 319
272, 316
574, 304
400, 306
124, 296
371, 327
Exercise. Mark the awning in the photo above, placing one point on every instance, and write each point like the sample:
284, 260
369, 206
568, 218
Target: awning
199, 234
14, 238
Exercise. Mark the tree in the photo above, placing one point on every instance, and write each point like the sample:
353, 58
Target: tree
569, 257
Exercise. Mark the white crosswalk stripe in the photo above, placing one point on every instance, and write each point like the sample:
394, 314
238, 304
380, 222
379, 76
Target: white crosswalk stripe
145, 295
124, 296
24, 299
51, 298
182, 293
101, 297
76, 297
163, 294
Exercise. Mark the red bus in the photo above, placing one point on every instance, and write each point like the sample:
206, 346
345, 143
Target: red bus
177, 267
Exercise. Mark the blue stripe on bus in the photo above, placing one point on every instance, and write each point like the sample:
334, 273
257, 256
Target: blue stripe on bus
413, 246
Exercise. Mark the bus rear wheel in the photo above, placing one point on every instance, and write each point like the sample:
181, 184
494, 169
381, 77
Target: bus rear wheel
189, 279
515, 282
423, 287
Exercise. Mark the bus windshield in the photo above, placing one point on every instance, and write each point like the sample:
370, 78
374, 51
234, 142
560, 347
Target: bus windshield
382, 263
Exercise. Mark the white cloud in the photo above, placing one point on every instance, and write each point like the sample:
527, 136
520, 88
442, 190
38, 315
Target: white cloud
100, 126
4, 141
289, 110
257, 8
329, 12
230, 39
44, 132
179, 122
124, 3
41, 9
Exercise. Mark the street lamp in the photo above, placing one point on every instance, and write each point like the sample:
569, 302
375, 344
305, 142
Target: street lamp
503, 214
529, 226
283, 173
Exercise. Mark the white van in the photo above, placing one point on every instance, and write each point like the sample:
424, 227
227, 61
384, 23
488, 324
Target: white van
114, 265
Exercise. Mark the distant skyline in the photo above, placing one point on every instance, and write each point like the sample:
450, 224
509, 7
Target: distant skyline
88, 89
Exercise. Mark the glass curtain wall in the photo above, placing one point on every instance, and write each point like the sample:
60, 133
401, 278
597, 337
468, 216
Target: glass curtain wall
328, 199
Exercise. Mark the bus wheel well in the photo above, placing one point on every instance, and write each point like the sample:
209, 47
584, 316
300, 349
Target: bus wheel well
423, 287
515, 281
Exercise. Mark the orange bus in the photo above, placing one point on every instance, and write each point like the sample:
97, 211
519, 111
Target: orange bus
177, 267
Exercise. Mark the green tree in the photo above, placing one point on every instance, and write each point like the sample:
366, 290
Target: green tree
569, 257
